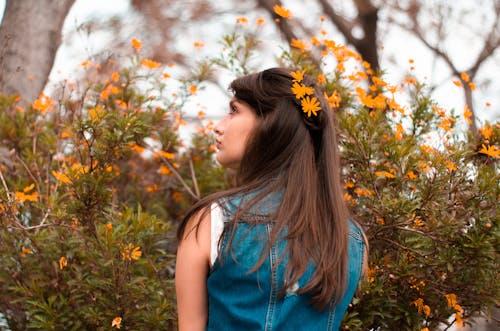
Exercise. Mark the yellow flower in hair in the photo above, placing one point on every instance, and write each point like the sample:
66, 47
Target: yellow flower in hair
300, 90
310, 105
297, 75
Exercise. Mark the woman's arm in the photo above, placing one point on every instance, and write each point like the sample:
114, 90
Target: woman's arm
191, 271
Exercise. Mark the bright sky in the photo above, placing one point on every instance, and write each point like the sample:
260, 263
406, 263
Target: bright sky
398, 48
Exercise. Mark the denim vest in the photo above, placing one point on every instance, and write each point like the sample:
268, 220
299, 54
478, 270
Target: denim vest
239, 300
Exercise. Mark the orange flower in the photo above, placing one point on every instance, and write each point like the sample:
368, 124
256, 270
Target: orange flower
242, 20
472, 86
61, 177
63, 263
115, 77
198, 44
260, 21
450, 165
300, 90
486, 131
117, 322
25, 251
85, 64
349, 184
282, 11
310, 105
334, 99
457, 83
298, 43
465, 77
385, 174
492, 151
446, 123
136, 44
411, 175
297, 75
321, 79
22, 196
44, 104
152, 188
150, 64
193, 89
164, 170
166, 155
131, 253
467, 114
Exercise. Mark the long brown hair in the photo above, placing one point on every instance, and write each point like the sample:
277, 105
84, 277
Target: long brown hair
297, 156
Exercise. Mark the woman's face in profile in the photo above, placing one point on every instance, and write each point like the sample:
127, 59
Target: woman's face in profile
232, 133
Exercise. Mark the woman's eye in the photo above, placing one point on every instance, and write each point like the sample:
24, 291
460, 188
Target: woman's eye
232, 109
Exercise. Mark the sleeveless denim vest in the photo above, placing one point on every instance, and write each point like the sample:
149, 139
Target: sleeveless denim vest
240, 300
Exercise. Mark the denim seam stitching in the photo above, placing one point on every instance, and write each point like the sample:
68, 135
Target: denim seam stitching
274, 279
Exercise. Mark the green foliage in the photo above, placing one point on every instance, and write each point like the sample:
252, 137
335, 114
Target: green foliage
92, 187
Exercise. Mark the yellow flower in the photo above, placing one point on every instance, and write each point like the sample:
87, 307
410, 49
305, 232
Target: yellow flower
384, 174
131, 253
25, 251
117, 322
282, 11
297, 75
198, 44
321, 79
486, 131
242, 20
465, 77
310, 105
193, 89
61, 177
300, 90
136, 44
22, 197
63, 263
150, 64
44, 104
467, 114
411, 175
492, 151
166, 155
298, 43
334, 99
450, 165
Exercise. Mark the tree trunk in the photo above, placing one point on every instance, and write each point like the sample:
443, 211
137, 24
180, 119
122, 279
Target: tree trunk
30, 35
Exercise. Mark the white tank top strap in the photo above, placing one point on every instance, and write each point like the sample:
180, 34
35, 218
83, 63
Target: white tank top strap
216, 228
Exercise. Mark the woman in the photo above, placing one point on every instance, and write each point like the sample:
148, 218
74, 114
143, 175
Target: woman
277, 252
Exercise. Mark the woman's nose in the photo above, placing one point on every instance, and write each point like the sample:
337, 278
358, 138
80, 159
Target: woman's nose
218, 128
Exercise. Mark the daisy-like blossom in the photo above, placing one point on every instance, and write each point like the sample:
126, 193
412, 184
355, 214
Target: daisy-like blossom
310, 105
282, 11
150, 64
116, 323
297, 75
300, 90
492, 151
136, 44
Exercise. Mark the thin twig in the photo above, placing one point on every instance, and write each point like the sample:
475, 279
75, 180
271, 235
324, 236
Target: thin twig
179, 178
193, 177
5, 186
